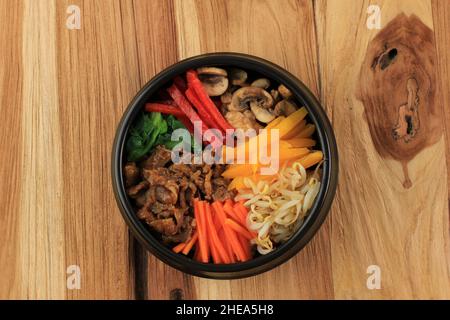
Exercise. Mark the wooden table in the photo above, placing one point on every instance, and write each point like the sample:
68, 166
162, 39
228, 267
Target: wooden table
386, 91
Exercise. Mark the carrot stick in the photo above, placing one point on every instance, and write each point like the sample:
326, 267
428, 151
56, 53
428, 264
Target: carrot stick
190, 243
242, 211
197, 253
179, 247
239, 229
227, 246
216, 221
202, 236
246, 245
228, 208
214, 238
210, 230
230, 235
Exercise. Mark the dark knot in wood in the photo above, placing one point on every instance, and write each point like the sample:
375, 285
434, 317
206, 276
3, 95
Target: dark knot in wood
397, 86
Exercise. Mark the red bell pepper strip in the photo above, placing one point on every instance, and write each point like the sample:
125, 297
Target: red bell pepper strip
190, 113
180, 83
187, 123
164, 108
169, 102
195, 83
169, 109
202, 112
185, 106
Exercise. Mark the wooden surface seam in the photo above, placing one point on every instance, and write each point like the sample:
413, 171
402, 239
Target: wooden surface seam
63, 92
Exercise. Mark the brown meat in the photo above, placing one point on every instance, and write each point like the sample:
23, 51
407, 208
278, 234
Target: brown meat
131, 173
159, 158
136, 191
165, 194
164, 226
185, 231
208, 185
221, 192
145, 214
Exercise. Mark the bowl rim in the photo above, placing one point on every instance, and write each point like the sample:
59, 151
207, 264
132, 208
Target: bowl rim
312, 222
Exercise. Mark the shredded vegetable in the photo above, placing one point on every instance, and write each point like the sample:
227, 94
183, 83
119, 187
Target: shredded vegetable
278, 208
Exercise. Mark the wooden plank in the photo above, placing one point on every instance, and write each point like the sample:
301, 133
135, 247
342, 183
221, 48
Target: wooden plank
156, 45
11, 70
380, 218
40, 220
98, 75
441, 21
285, 35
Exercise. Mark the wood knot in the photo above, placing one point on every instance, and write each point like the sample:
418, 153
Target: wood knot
176, 294
397, 86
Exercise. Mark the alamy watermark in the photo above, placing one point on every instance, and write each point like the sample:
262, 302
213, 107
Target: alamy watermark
252, 147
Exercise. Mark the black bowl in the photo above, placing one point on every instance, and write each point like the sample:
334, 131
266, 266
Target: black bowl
324, 137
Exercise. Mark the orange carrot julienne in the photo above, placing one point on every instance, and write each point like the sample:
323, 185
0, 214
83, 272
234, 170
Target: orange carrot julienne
201, 227
243, 213
179, 247
227, 246
216, 221
206, 251
214, 238
229, 233
228, 208
197, 252
240, 213
239, 229
210, 230
246, 245
190, 243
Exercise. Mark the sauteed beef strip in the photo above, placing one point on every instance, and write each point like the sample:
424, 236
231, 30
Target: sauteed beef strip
165, 193
159, 158
185, 232
131, 173
221, 192
136, 190
165, 226
208, 185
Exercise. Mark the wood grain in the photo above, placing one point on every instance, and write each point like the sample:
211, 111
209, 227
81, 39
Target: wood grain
376, 221
62, 93
441, 22
41, 222
11, 70
98, 75
262, 28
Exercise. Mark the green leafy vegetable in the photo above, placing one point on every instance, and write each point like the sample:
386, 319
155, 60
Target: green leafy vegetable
152, 129
144, 134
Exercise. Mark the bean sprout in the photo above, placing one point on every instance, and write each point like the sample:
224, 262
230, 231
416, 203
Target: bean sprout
279, 207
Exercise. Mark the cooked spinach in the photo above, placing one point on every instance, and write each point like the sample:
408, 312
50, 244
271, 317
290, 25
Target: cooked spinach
151, 130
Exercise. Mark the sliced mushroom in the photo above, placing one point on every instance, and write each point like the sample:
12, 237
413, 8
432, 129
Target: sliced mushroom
261, 83
214, 80
226, 97
237, 76
261, 114
242, 120
243, 97
212, 71
275, 95
285, 92
284, 108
